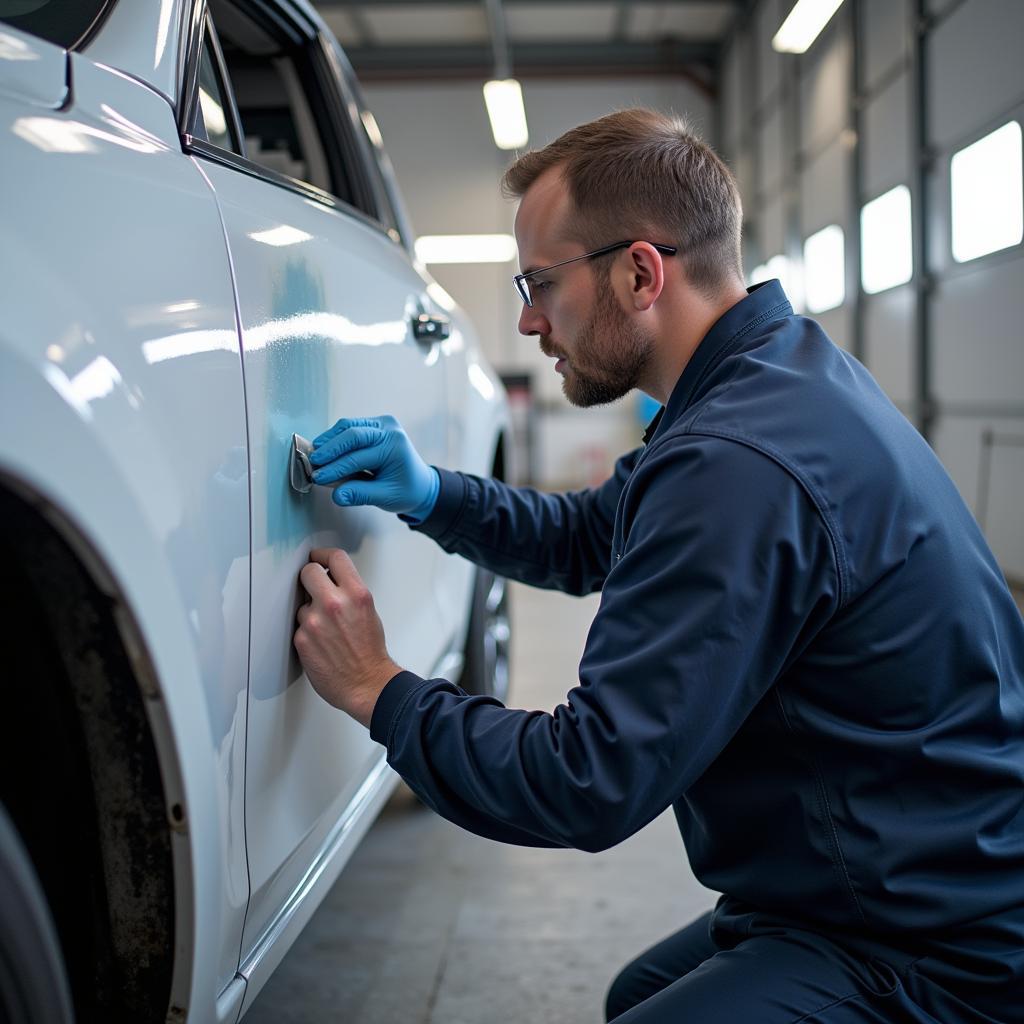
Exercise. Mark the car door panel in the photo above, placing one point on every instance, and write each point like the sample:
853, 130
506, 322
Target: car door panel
325, 304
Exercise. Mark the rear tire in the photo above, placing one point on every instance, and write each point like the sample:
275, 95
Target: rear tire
485, 670
33, 982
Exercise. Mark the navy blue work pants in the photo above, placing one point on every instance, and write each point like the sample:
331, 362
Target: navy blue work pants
778, 975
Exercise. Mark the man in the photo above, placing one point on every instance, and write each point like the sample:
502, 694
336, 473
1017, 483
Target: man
804, 645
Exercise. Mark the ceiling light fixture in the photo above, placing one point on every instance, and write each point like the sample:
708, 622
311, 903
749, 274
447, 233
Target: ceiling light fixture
804, 25
503, 94
504, 101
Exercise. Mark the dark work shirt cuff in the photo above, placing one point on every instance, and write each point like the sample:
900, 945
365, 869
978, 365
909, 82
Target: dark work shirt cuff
451, 498
389, 702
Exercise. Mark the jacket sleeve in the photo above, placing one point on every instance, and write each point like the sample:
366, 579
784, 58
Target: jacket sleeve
557, 541
726, 572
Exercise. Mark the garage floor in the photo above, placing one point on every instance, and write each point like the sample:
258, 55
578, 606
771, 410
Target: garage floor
431, 925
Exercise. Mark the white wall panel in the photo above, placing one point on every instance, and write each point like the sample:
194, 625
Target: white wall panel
974, 67
743, 170
977, 342
885, 129
767, 19
773, 228
958, 441
825, 88
769, 141
734, 111
824, 186
885, 38
836, 324
889, 341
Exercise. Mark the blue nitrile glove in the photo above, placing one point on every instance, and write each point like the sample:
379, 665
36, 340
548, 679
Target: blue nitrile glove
402, 482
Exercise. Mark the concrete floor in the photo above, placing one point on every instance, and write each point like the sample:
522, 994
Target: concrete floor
431, 925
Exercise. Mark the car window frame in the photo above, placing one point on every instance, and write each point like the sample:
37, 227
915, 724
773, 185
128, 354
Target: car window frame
208, 34
340, 142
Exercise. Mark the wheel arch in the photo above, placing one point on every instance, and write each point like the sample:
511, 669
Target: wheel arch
97, 689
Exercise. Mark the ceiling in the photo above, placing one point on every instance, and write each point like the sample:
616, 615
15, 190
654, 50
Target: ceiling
402, 39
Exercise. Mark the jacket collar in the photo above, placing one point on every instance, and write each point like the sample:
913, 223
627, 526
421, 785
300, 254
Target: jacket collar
764, 302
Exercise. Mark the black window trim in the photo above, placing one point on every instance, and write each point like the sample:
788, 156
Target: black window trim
228, 97
298, 31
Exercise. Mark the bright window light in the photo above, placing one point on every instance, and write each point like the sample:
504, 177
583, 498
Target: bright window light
466, 248
504, 99
985, 187
804, 25
824, 269
887, 248
759, 273
787, 272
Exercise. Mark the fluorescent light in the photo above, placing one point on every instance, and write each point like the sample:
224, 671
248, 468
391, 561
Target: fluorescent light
825, 269
886, 241
504, 99
804, 24
466, 248
985, 191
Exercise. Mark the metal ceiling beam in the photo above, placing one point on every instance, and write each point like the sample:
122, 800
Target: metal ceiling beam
621, 21
328, 4
499, 39
459, 61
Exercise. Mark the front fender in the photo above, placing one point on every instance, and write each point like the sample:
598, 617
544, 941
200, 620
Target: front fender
55, 464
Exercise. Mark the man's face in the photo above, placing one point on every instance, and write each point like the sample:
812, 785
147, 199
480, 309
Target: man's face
602, 353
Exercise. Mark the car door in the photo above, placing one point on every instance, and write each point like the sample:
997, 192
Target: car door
327, 302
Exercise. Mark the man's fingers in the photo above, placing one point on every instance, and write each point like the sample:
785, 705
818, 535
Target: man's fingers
342, 569
342, 425
314, 579
349, 440
363, 493
348, 465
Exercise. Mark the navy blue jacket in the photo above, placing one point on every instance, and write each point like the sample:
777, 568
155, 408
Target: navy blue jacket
803, 645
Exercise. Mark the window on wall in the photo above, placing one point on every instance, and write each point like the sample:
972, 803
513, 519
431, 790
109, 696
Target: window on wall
788, 274
887, 247
824, 269
986, 194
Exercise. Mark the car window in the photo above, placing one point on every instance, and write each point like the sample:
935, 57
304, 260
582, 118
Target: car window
64, 22
213, 116
380, 170
283, 104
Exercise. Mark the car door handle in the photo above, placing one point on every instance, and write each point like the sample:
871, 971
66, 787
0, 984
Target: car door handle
427, 329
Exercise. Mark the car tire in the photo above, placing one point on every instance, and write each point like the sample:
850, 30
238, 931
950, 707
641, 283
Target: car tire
33, 982
485, 670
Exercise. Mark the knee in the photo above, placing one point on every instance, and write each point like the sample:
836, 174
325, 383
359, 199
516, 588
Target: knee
626, 991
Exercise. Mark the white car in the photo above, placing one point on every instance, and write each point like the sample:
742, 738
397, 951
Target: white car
202, 253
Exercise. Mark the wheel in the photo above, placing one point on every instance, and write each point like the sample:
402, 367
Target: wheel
33, 982
485, 670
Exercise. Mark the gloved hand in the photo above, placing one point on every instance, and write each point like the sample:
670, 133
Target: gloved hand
402, 482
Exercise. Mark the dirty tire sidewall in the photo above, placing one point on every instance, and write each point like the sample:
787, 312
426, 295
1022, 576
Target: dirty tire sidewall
33, 982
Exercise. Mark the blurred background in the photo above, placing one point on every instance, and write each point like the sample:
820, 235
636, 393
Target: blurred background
877, 145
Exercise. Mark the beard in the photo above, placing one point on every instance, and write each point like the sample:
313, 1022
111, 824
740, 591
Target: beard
609, 354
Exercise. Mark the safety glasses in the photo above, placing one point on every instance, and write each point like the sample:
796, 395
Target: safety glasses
522, 281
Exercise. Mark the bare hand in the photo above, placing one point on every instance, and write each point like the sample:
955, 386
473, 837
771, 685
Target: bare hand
340, 639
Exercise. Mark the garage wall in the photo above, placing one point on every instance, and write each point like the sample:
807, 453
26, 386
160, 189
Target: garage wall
885, 96
449, 169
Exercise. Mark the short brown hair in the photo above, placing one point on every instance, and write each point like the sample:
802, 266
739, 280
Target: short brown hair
642, 174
